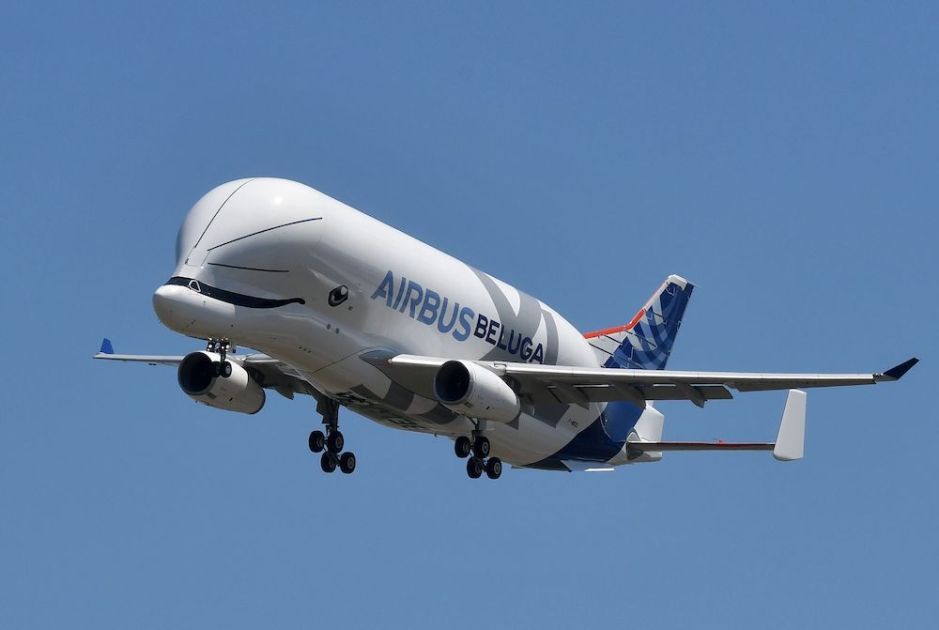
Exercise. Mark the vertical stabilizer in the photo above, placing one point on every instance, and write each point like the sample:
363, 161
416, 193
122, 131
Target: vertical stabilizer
646, 341
790, 441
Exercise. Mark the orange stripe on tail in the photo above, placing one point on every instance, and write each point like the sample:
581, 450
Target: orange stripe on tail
617, 329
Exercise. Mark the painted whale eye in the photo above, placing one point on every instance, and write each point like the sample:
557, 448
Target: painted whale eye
338, 295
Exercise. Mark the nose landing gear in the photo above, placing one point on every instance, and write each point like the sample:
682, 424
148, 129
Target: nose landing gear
222, 346
332, 442
480, 461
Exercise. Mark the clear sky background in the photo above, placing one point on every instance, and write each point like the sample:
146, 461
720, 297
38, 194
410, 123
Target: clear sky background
782, 158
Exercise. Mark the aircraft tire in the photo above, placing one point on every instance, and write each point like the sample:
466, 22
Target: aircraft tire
317, 442
462, 447
328, 462
494, 468
474, 468
347, 463
481, 447
335, 442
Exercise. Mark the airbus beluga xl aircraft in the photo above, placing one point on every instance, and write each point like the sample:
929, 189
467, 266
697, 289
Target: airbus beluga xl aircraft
356, 314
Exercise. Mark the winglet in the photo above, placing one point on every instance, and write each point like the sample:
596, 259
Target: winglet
106, 347
896, 372
790, 441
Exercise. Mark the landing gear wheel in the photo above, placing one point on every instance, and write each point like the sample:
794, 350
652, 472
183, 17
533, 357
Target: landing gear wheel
474, 467
481, 447
328, 462
494, 468
335, 442
462, 447
317, 442
347, 462
226, 369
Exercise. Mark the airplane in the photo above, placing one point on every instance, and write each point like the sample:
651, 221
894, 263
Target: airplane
354, 313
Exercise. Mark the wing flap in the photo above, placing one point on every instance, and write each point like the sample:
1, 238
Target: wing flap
577, 394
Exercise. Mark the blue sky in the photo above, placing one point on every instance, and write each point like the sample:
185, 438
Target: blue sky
783, 158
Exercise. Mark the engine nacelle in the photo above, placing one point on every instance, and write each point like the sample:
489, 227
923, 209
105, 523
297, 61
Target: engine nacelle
238, 392
473, 391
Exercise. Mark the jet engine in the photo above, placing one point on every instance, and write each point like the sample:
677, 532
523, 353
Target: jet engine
199, 377
473, 391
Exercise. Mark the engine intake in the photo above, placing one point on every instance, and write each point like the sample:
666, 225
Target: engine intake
473, 391
239, 392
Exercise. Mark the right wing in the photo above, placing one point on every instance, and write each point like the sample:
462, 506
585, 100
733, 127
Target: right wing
273, 374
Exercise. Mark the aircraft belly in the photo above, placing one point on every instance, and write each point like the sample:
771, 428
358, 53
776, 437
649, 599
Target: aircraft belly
362, 387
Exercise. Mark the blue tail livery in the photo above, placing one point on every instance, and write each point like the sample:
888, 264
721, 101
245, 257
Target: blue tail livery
646, 341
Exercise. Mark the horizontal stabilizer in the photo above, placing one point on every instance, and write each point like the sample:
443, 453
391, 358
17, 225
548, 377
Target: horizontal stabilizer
702, 446
789, 444
574, 465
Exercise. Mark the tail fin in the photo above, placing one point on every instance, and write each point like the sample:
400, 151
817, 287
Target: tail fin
646, 341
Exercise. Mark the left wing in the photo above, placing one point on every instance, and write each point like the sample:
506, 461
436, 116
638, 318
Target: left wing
581, 385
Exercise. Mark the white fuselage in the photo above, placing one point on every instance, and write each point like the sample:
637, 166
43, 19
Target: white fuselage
294, 249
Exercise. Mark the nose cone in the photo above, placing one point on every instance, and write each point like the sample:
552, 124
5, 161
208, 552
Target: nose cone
182, 307
170, 306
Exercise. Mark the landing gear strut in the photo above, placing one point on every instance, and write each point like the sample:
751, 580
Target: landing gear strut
480, 461
332, 442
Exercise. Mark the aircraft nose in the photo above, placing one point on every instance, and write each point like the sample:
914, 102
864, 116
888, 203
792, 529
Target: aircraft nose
180, 306
165, 305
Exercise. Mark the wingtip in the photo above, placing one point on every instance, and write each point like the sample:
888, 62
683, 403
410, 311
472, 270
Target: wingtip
106, 347
896, 372
790, 440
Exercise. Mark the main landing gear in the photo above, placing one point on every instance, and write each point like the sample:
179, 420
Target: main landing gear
332, 442
477, 450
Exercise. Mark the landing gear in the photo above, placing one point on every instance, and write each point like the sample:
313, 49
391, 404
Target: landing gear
477, 450
332, 442
222, 346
